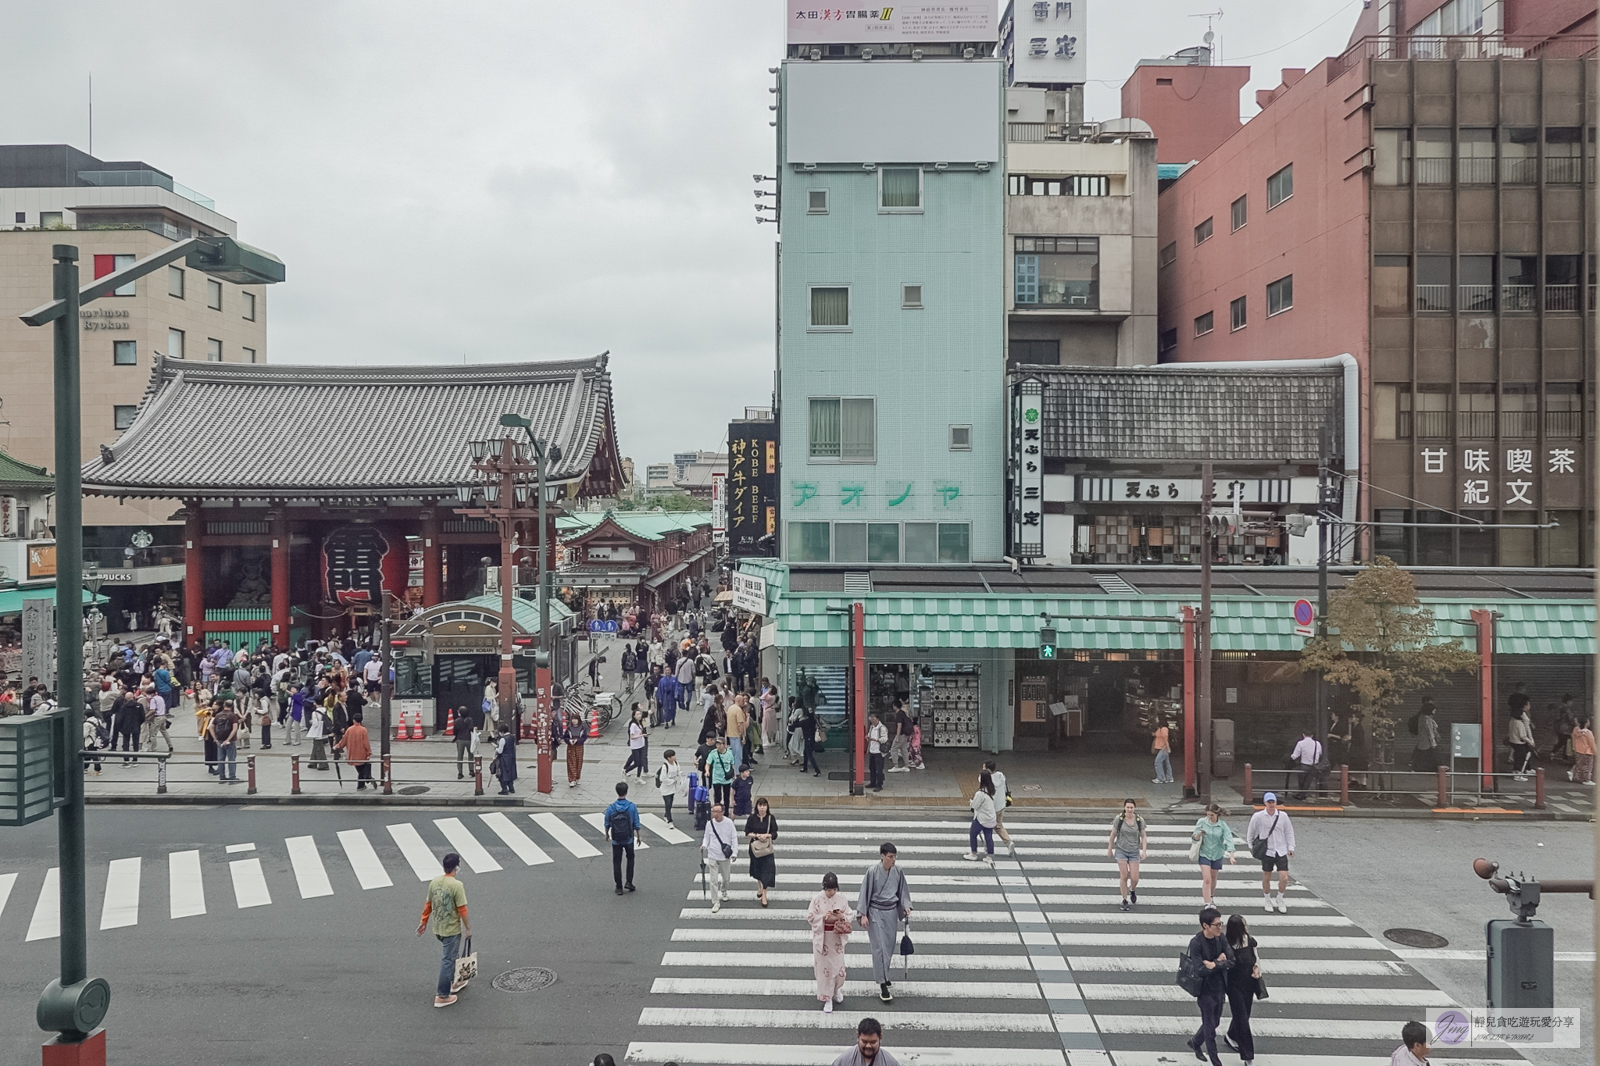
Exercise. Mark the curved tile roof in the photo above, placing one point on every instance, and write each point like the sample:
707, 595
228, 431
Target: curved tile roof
241, 429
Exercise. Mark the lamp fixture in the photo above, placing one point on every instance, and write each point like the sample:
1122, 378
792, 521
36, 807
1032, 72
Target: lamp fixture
491, 491
480, 448
464, 493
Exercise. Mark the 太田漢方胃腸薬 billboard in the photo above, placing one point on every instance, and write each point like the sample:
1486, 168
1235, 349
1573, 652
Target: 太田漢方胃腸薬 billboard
815, 23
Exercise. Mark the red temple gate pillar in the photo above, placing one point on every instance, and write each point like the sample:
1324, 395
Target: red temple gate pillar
280, 579
432, 561
194, 600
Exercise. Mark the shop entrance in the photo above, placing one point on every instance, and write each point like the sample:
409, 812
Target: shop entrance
458, 682
1097, 706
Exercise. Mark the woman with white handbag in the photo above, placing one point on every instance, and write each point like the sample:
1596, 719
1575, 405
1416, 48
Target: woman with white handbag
1213, 841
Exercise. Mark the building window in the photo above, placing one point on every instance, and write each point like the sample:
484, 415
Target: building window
1475, 415
1391, 412
899, 189
883, 542
1519, 155
816, 201
1203, 324
911, 296
1563, 410
808, 542
1392, 162
1070, 185
1561, 283
1519, 282
1236, 314
849, 542
249, 306
175, 281
1168, 255
1035, 352
249, 355
124, 353
1432, 417
1456, 18
1475, 156
1391, 284
214, 294
955, 542
1167, 341
844, 429
1240, 212
107, 264
1563, 155
52, 220
1280, 295
961, 438
1058, 272
1433, 156
213, 350
1562, 544
1280, 186
122, 415
921, 542
175, 343
1477, 283
1202, 232
22, 217
830, 308
1519, 411
1433, 283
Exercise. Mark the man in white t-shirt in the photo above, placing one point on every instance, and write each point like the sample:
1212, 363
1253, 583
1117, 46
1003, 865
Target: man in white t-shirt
1001, 798
877, 740
372, 672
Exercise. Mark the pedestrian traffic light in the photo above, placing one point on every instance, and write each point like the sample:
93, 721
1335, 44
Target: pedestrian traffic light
1047, 643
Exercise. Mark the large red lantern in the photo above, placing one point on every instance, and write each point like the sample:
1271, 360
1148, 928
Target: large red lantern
361, 561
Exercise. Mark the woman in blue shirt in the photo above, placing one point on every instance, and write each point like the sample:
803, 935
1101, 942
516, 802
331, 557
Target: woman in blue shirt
1216, 843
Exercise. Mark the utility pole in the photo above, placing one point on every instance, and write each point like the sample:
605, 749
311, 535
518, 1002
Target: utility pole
1202, 740
385, 630
1322, 569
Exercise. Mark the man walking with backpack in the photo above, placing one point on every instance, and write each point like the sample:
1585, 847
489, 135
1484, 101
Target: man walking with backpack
622, 829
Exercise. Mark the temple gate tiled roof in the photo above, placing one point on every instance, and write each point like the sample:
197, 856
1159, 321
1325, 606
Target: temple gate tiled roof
232, 429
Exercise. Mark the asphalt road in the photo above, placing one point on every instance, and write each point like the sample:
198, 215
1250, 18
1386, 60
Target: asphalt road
340, 978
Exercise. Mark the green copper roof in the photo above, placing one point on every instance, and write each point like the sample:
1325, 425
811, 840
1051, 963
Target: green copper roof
1123, 623
14, 471
525, 613
646, 525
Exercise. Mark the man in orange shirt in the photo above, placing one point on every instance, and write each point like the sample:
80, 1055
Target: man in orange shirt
357, 748
1162, 748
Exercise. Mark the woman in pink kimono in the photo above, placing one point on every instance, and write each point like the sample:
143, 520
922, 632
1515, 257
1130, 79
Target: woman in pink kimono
830, 917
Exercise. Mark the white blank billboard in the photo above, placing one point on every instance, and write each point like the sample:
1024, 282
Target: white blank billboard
854, 111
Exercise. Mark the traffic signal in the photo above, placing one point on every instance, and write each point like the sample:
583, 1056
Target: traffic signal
1047, 643
1298, 524
1221, 523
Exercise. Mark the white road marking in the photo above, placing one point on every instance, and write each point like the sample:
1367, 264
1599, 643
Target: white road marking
1468, 955
1291, 967
1297, 1029
46, 923
689, 986
599, 822
424, 863
664, 829
474, 854
363, 860
565, 835
757, 914
186, 889
121, 906
1329, 995
249, 883
785, 895
904, 1021
733, 1053
1138, 916
773, 936
1188, 902
519, 842
1178, 940
309, 872
1166, 1058
802, 961
7, 883
234, 849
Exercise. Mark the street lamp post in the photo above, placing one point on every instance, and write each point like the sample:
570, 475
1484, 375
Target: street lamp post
74, 1004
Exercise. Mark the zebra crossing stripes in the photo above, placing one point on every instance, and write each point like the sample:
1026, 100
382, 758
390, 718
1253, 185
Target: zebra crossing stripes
474, 854
664, 829
121, 907
1166, 1058
796, 960
249, 884
363, 859
185, 889
46, 921
725, 1053
599, 822
565, 835
7, 883
309, 873
520, 844
423, 862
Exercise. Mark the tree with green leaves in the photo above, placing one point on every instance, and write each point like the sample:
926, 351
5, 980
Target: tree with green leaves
1382, 644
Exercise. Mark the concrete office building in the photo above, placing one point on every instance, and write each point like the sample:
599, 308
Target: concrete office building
1425, 202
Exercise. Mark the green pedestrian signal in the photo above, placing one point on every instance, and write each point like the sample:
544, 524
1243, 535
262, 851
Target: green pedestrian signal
1047, 643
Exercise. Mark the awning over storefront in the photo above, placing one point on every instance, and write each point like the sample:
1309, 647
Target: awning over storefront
11, 599
666, 575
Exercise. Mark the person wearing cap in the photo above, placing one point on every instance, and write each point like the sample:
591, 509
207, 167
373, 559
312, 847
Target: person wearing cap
1273, 826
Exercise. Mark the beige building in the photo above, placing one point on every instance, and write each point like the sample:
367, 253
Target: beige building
114, 213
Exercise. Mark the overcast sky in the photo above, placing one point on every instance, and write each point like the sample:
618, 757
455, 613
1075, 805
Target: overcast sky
505, 181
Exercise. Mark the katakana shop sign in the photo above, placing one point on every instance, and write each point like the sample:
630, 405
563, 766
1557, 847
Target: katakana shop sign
751, 491
814, 23
1027, 469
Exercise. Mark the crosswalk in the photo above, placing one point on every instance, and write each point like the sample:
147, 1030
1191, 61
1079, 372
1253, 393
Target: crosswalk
1030, 962
307, 867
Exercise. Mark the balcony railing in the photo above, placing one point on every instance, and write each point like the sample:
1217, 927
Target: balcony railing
1036, 132
1475, 171
1432, 423
1513, 297
1477, 297
1431, 171
1476, 424
1519, 170
1433, 297
1561, 298
1564, 424
1519, 423
1472, 46
129, 558
1563, 170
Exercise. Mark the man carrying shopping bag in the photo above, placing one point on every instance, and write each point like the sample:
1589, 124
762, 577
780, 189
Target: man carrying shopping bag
447, 904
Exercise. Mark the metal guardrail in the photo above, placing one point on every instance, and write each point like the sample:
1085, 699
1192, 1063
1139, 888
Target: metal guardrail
385, 781
1443, 783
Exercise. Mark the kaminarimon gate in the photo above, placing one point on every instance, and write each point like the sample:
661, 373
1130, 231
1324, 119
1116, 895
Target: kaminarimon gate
308, 491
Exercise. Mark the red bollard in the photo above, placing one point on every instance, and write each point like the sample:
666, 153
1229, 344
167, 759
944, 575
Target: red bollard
1344, 785
1444, 786
477, 775
388, 776
1538, 789
1249, 788
251, 766
294, 775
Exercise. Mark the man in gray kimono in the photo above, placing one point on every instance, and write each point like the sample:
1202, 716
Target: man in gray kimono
885, 900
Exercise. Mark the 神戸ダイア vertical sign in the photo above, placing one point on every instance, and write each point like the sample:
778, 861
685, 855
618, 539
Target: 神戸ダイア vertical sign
1027, 469
752, 487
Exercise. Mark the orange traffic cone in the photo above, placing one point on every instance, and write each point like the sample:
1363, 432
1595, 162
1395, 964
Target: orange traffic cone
450, 723
400, 726
416, 726
594, 722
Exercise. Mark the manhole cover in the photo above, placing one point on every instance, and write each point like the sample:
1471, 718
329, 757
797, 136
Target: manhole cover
412, 790
525, 979
1033, 788
1416, 938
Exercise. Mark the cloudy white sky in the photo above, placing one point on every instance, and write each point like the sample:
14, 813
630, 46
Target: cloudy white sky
503, 181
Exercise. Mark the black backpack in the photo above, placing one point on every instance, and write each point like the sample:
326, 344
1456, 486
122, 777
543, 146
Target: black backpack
621, 826
1414, 723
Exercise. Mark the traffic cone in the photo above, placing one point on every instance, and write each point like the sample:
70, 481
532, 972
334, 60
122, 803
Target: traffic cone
416, 726
450, 723
594, 721
400, 726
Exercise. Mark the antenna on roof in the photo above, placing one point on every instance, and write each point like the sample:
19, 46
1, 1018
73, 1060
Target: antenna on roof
1209, 35
91, 113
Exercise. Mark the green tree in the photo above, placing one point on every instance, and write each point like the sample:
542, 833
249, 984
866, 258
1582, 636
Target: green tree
678, 501
1382, 645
